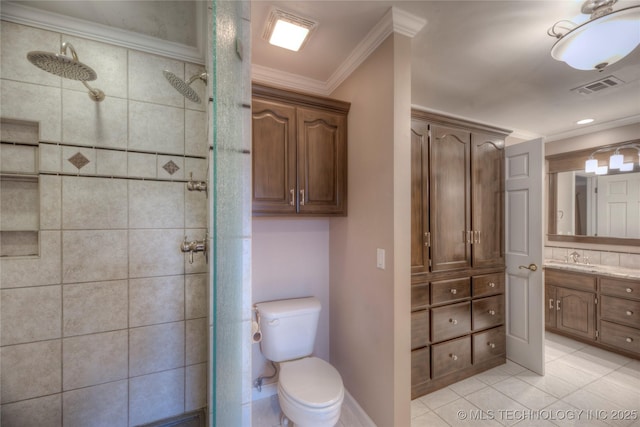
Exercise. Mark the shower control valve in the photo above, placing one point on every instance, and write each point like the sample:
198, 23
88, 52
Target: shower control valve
196, 185
194, 246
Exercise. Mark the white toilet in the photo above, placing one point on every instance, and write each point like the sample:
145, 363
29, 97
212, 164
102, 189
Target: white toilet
310, 390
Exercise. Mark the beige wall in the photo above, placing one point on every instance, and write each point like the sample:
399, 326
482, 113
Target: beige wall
370, 307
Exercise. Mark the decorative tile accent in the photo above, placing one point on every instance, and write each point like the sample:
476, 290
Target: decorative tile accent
171, 167
78, 160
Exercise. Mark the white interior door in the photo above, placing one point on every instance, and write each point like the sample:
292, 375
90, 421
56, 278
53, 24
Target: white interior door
524, 206
618, 205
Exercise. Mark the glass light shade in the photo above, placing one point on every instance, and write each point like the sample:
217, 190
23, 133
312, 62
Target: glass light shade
288, 35
602, 170
591, 165
600, 42
616, 161
626, 167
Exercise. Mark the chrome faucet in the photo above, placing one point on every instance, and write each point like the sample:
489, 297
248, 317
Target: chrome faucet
574, 256
194, 246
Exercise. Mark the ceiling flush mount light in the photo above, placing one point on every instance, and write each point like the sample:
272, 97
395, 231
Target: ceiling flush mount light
616, 160
584, 121
287, 30
603, 40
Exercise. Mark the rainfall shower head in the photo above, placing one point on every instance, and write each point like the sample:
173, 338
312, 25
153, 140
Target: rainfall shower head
185, 87
68, 67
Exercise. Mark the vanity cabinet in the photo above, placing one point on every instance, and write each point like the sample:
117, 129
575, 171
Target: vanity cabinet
299, 147
600, 310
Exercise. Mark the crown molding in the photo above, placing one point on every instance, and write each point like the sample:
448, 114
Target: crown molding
394, 21
46, 20
583, 130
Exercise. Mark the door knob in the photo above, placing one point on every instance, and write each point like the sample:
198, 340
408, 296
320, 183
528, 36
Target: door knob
531, 267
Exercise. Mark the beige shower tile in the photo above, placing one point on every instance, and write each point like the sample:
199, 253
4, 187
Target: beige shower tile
196, 209
18, 158
199, 86
19, 199
196, 133
79, 160
141, 165
42, 412
96, 124
94, 255
25, 101
94, 203
171, 167
196, 387
199, 264
18, 131
18, 243
50, 202
109, 63
30, 314
196, 296
16, 41
94, 359
94, 307
156, 348
198, 167
50, 158
155, 253
156, 204
156, 128
111, 163
197, 341
30, 370
156, 300
156, 396
147, 83
44, 270
104, 405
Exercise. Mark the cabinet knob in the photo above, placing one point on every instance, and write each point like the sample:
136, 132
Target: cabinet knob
629, 313
453, 321
629, 339
453, 357
492, 312
629, 290
453, 291
492, 285
492, 345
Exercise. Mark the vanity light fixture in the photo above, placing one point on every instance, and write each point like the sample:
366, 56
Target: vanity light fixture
603, 40
287, 30
616, 160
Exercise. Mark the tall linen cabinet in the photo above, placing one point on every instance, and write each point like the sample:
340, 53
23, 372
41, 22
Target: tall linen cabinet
457, 250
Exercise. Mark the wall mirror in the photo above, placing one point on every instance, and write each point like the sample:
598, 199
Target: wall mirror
591, 207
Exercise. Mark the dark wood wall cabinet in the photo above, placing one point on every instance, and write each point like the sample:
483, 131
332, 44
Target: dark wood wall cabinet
457, 250
600, 310
299, 153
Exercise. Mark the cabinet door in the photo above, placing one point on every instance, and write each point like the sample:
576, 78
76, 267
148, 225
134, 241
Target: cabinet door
419, 197
322, 162
273, 157
487, 200
449, 199
576, 313
550, 306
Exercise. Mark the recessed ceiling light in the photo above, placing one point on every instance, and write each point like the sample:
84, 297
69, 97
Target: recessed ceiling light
284, 29
584, 121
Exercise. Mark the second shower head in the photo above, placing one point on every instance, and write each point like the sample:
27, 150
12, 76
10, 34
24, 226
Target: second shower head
185, 87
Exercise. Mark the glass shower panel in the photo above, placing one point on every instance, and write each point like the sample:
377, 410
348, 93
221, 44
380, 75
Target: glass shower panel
230, 213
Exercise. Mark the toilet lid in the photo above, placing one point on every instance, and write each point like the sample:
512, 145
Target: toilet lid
311, 382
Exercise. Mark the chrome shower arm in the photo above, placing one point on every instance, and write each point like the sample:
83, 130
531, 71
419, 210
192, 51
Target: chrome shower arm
202, 76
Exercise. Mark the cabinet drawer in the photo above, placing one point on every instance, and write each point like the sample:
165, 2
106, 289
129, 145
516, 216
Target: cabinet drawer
419, 328
620, 336
488, 284
620, 288
489, 344
488, 312
451, 356
620, 310
419, 295
450, 290
420, 366
570, 279
450, 321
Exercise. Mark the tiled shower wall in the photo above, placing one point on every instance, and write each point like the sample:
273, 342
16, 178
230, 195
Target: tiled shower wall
108, 325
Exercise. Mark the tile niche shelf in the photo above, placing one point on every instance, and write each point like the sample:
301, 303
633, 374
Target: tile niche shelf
19, 189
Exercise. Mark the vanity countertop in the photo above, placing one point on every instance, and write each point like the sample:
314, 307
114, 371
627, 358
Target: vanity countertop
603, 270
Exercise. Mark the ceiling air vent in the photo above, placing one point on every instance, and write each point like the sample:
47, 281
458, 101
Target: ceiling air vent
598, 85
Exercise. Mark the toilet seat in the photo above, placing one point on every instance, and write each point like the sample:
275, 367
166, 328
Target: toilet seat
311, 382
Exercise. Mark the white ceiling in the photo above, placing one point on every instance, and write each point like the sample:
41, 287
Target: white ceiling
488, 61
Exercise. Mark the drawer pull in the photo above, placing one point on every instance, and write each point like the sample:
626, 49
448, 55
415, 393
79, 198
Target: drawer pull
453, 356
629, 339
492, 312
492, 345
629, 313
453, 321
492, 285
629, 290
453, 291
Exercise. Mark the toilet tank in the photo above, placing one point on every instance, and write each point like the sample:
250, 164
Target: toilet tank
288, 328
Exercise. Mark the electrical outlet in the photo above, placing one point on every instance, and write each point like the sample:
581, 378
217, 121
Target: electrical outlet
380, 259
